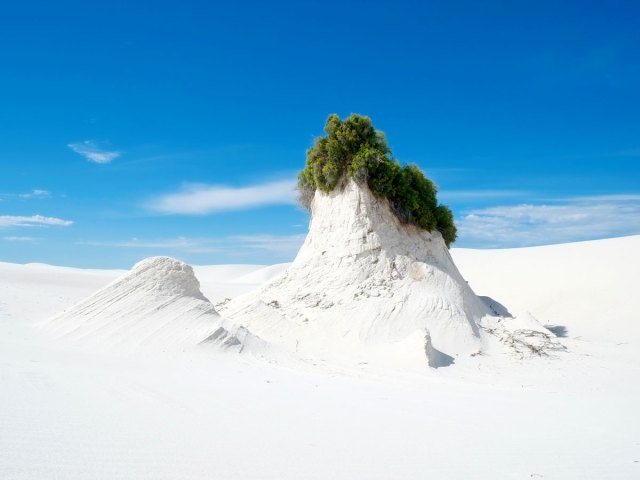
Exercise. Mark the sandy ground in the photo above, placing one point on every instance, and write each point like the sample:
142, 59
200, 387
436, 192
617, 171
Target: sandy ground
78, 413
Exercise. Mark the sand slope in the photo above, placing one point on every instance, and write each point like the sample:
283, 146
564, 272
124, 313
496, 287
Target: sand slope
365, 289
81, 414
157, 304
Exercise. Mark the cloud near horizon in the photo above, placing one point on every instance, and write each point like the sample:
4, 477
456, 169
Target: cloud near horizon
19, 239
171, 244
198, 199
93, 152
457, 195
572, 219
7, 221
281, 245
276, 244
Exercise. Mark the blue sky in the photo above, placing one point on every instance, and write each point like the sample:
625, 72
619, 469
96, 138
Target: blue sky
130, 129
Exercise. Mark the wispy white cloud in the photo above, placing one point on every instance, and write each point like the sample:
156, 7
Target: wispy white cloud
276, 244
36, 193
32, 221
19, 239
280, 245
201, 199
450, 195
93, 152
617, 197
182, 244
573, 219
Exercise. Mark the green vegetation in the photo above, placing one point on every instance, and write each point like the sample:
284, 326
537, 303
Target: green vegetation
354, 149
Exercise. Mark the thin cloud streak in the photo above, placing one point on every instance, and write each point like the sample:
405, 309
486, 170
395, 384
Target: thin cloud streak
280, 245
173, 244
19, 239
7, 221
93, 153
618, 197
575, 219
452, 195
276, 244
35, 193
203, 199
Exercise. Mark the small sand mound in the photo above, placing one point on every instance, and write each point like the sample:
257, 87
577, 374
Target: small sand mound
157, 304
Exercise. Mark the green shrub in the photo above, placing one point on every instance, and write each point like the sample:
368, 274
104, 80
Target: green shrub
354, 149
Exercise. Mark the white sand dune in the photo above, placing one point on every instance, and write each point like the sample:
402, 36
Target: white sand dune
368, 291
35, 292
77, 413
589, 287
158, 304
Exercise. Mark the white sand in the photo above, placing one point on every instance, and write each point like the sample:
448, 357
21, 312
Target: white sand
78, 413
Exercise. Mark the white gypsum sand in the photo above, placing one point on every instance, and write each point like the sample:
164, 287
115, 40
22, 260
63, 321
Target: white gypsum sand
79, 413
157, 305
366, 290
